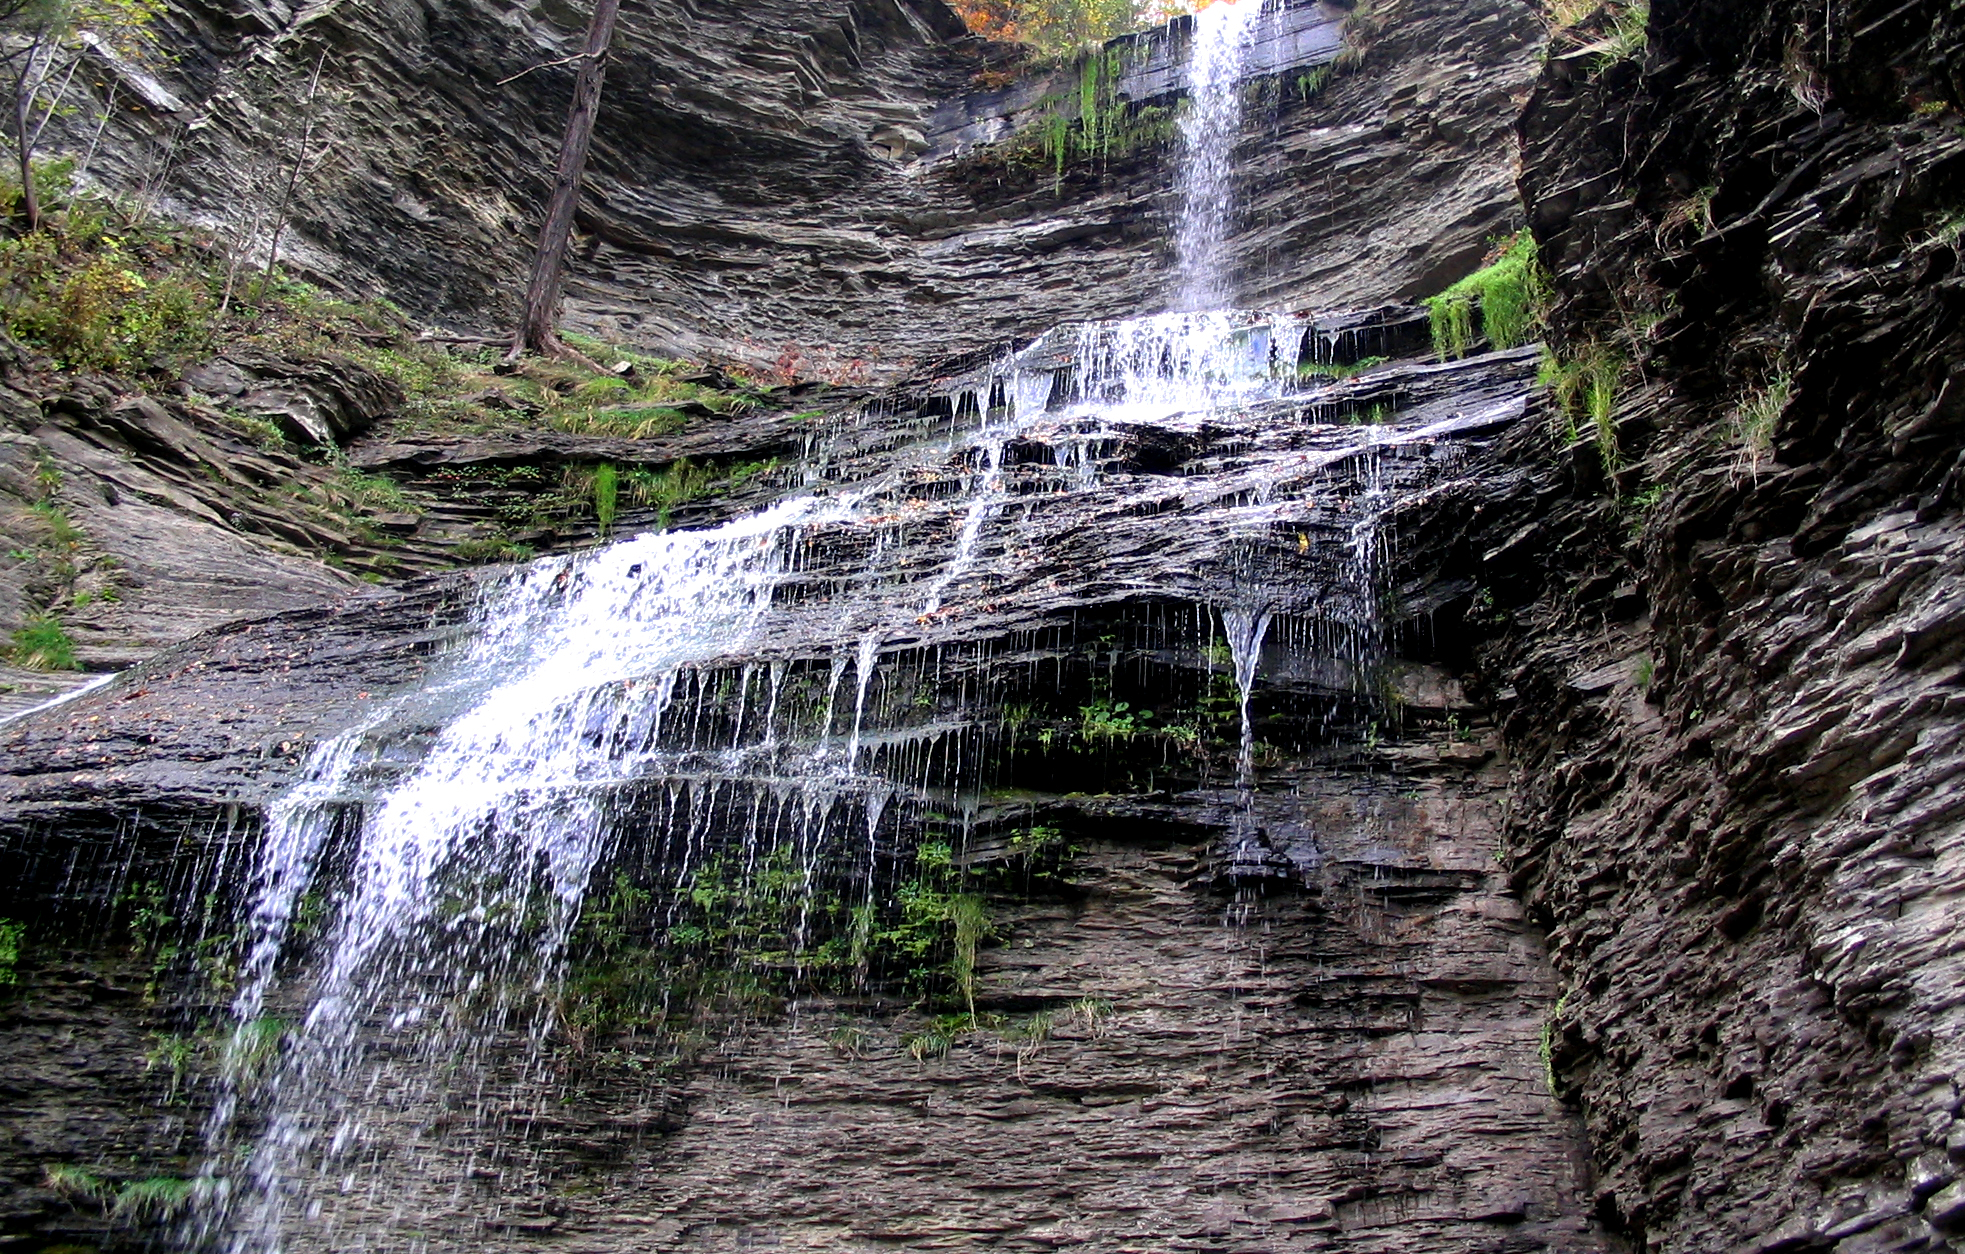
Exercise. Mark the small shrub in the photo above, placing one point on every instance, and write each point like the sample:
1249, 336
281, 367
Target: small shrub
1036, 841
1509, 291
106, 311
1108, 720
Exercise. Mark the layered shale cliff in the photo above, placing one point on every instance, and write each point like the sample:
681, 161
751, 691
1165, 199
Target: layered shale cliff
771, 181
1736, 702
1596, 889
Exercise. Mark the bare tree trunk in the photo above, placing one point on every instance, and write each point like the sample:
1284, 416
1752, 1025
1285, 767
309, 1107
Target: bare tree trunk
293, 177
30, 199
539, 319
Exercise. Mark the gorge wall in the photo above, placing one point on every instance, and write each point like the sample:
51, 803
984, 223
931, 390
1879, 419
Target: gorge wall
1735, 704
1680, 694
762, 185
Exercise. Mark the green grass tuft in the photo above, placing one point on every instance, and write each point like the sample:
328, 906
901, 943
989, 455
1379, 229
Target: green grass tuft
11, 936
1584, 389
42, 644
158, 1197
77, 1184
607, 493
1752, 424
1509, 292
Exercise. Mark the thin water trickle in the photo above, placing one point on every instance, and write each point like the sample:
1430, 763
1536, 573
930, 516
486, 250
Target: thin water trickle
1247, 629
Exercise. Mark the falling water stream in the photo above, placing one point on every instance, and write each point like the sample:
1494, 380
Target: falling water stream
1209, 131
457, 830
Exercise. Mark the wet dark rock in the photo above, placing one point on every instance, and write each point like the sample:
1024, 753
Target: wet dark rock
1729, 669
1301, 1013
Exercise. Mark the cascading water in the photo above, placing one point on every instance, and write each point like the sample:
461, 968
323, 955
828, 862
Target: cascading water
457, 832
1209, 131
677, 699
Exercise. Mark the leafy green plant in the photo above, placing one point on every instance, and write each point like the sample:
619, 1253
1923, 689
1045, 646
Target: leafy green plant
1310, 84
970, 923
174, 1053
1509, 292
1035, 841
1109, 720
1547, 1046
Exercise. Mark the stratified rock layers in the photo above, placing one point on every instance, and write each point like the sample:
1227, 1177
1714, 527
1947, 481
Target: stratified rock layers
1737, 704
747, 198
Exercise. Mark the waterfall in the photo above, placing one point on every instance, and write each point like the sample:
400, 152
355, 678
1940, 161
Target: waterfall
681, 693
1209, 130
673, 702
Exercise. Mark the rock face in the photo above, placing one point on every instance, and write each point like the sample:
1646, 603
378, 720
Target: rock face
146, 522
1678, 691
748, 199
1304, 1014
1351, 1066
1735, 705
